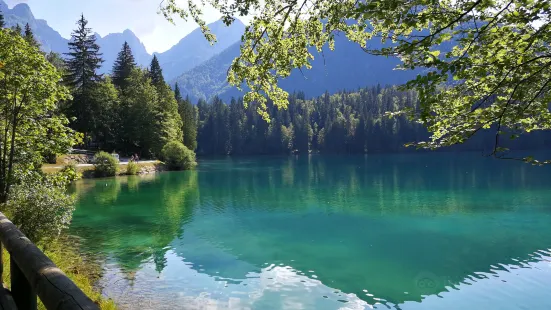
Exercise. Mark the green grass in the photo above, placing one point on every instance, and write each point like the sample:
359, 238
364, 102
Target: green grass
84, 273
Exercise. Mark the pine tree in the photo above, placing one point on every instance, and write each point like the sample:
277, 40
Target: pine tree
2, 23
123, 67
29, 36
237, 126
156, 73
84, 59
177, 93
189, 122
17, 29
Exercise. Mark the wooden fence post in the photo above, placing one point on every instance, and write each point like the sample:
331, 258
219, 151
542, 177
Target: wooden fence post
21, 290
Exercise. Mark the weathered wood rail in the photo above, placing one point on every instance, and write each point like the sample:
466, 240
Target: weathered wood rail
33, 273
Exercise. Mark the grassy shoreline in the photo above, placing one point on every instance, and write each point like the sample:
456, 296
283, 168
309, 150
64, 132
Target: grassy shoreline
87, 172
84, 272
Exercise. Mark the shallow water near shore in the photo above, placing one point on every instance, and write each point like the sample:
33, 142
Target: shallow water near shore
408, 231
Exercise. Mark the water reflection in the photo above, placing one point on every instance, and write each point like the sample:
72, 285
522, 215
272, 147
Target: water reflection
337, 231
132, 219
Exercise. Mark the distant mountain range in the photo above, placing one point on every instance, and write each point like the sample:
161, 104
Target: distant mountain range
21, 14
200, 68
192, 50
348, 67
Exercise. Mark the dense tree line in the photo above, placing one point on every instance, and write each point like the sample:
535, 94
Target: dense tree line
346, 122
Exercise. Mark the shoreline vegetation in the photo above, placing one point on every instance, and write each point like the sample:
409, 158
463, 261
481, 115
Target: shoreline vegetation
87, 172
175, 157
84, 271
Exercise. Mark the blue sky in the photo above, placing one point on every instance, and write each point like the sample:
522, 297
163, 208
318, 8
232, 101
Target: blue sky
109, 16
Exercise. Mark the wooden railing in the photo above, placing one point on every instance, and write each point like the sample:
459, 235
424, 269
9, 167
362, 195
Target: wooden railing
33, 273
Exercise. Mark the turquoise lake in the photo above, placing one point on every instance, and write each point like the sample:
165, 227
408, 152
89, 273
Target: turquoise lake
408, 231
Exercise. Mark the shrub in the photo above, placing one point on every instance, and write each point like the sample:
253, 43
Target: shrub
70, 172
105, 165
132, 168
40, 207
177, 156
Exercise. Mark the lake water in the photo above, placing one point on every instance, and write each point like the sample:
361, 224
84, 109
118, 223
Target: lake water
415, 231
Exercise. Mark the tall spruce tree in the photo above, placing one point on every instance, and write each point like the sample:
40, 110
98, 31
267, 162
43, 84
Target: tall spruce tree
29, 36
177, 93
156, 73
123, 67
189, 123
2, 23
84, 59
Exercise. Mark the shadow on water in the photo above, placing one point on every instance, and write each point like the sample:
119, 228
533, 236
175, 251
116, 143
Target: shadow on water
318, 231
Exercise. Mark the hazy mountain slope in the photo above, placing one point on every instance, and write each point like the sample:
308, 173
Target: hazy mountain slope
21, 14
209, 78
348, 67
194, 49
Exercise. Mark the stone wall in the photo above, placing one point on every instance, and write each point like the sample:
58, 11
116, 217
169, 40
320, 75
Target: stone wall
75, 159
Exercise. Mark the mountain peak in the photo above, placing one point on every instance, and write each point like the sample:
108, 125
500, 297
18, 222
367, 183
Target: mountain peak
129, 33
3, 7
112, 43
23, 10
220, 27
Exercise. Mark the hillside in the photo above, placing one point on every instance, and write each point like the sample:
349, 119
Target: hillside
21, 14
348, 67
194, 49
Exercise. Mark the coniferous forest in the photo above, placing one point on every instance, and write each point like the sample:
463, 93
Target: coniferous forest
347, 122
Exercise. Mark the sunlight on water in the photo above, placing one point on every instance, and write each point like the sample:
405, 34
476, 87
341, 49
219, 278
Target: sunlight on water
281, 287
437, 231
